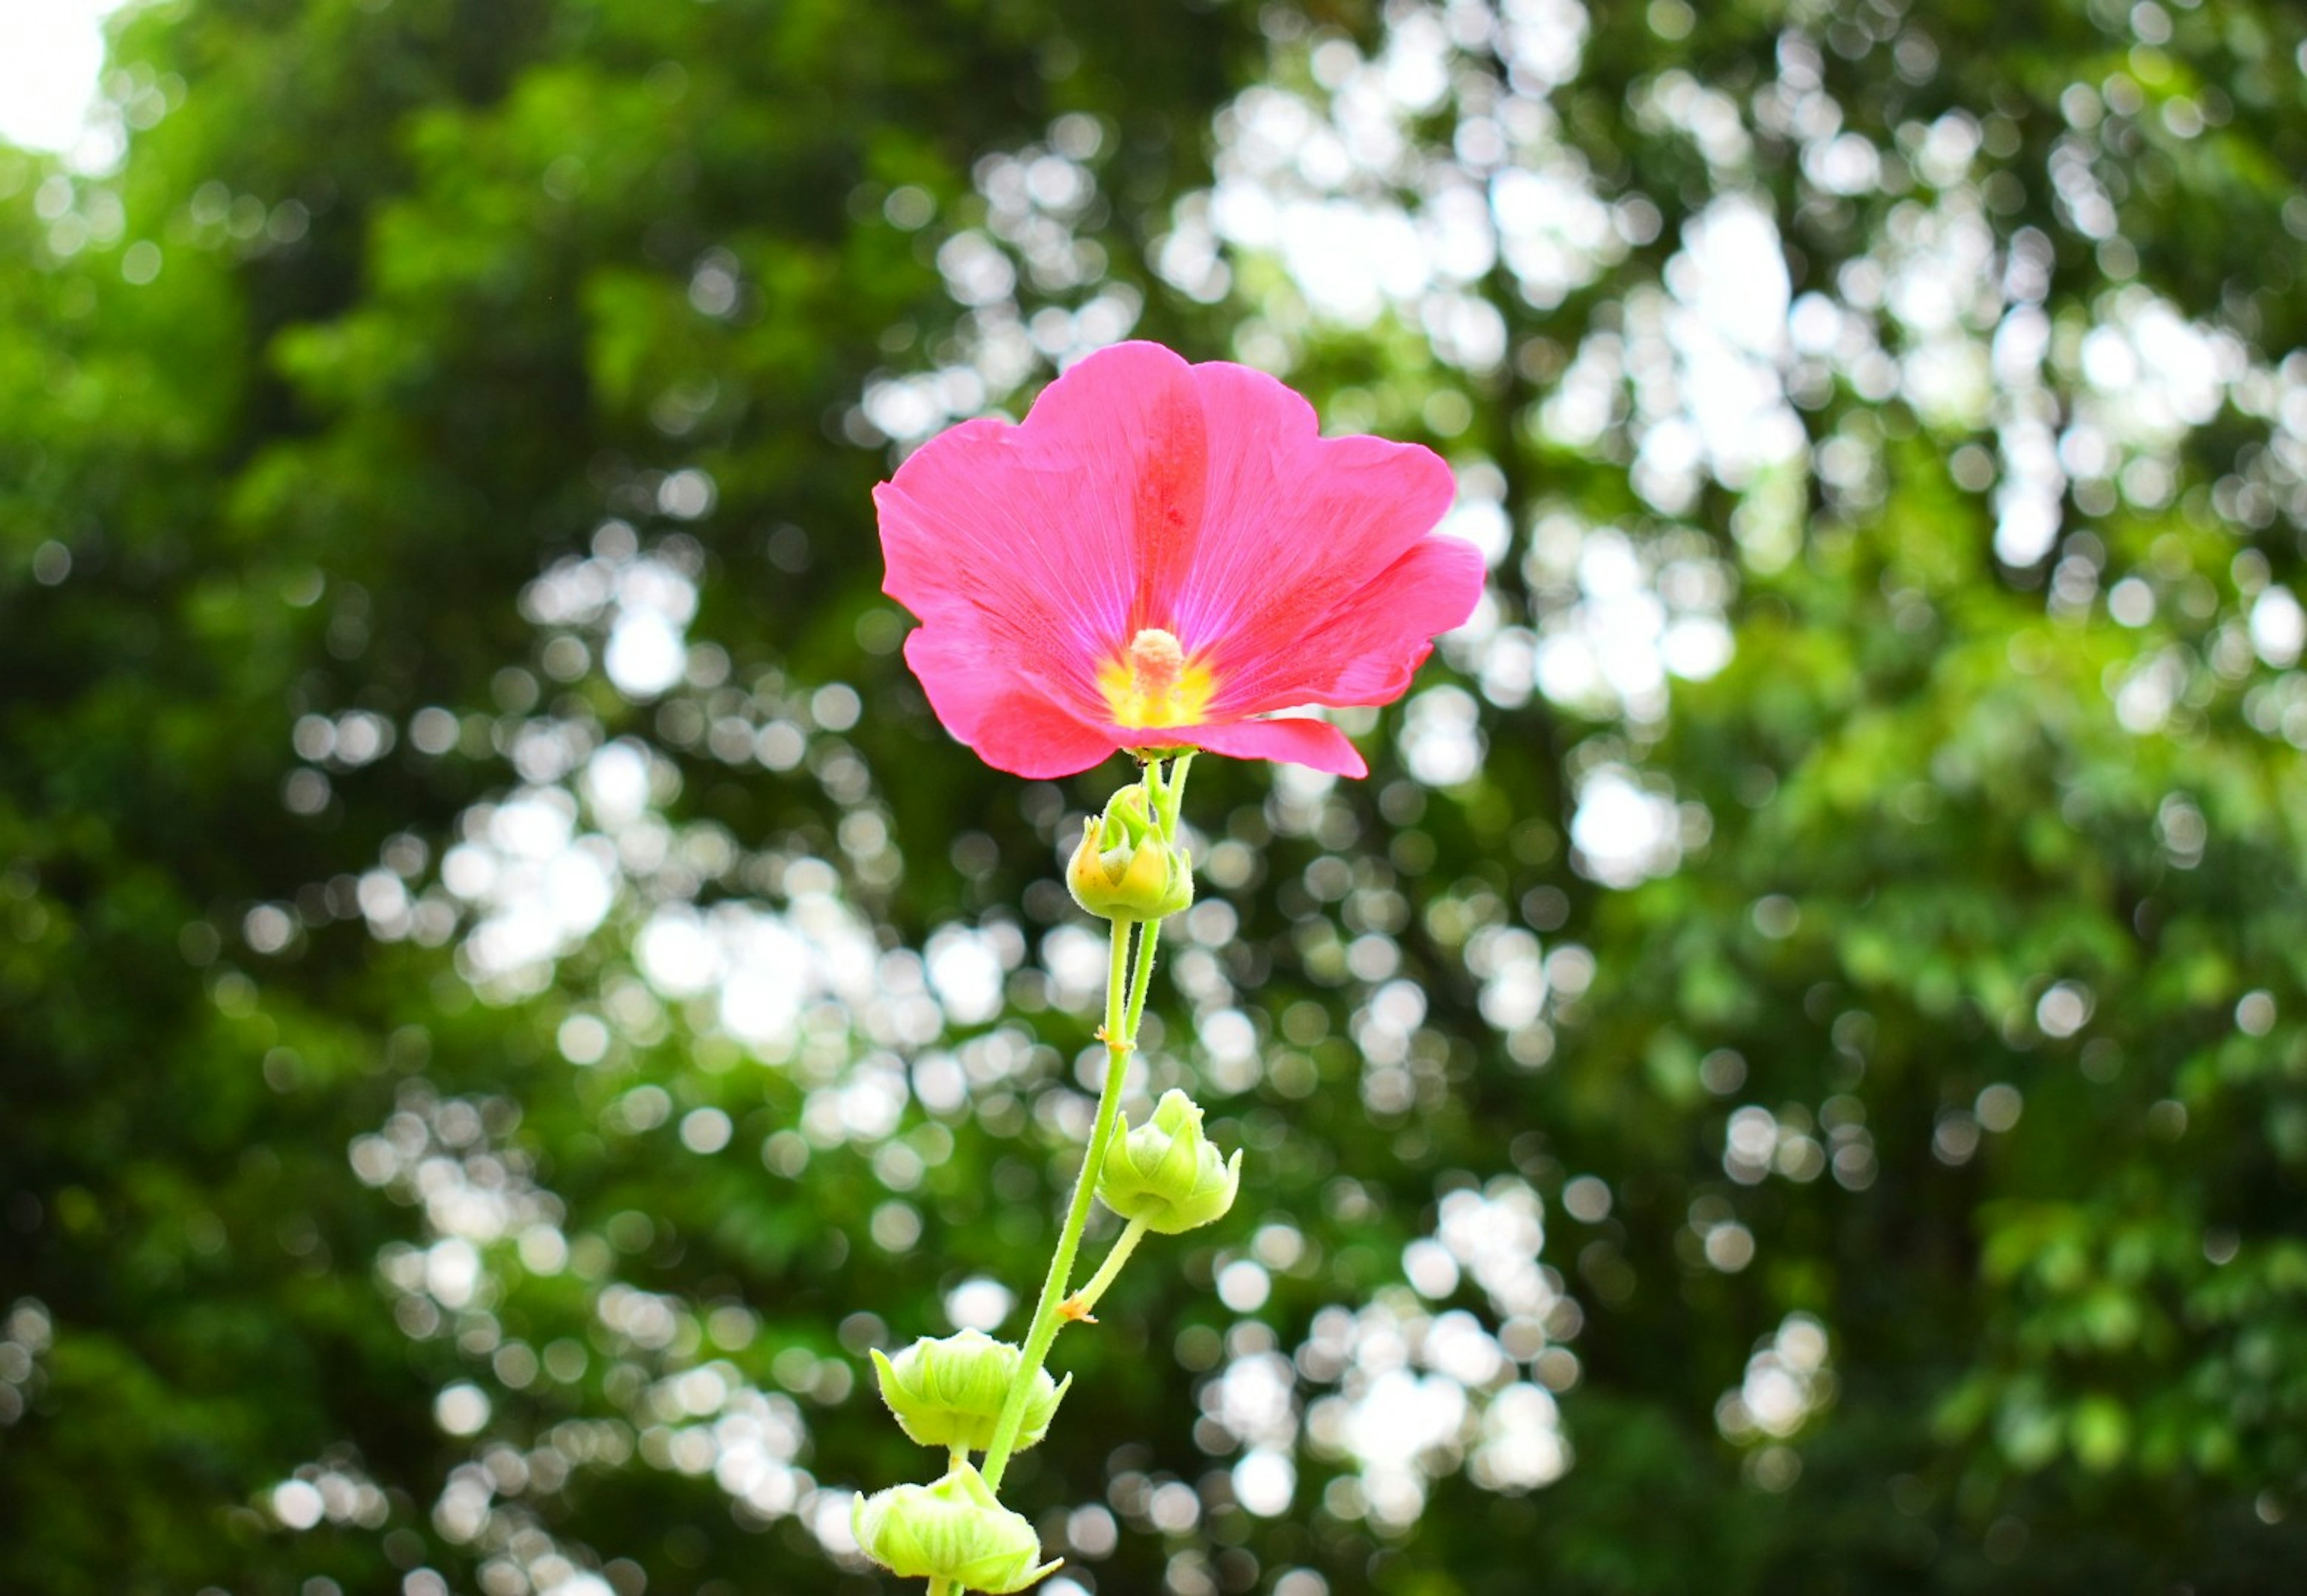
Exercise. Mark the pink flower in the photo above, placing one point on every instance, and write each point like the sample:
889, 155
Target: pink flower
1161, 555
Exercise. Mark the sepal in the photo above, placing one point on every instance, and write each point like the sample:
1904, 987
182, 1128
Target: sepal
1166, 1174
949, 1391
954, 1529
1125, 867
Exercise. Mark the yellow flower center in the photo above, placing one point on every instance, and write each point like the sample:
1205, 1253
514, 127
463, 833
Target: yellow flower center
1154, 684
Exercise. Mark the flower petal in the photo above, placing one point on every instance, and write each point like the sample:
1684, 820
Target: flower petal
1039, 538
1295, 524
1012, 726
1367, 647
1294, 740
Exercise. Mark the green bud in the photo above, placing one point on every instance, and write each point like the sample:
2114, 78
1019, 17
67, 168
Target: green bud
1166, 1174
954, 1529
1126, 868
949, 1392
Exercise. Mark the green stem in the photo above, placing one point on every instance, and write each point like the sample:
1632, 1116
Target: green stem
1142, 978
1084, 1301
1047, 1321
1125, 1007
1168, 796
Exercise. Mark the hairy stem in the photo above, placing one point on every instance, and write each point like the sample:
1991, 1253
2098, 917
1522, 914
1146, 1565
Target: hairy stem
1047, 1320
1081, 1303
1125, 1007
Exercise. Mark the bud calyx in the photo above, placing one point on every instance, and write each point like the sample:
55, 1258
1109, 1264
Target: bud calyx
1166, 1174
949, 1391
1126, 868
954, 1529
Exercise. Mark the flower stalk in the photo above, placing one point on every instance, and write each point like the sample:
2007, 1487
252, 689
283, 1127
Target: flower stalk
1128, 981
1124, 1009
1081, 1306
1048, 1319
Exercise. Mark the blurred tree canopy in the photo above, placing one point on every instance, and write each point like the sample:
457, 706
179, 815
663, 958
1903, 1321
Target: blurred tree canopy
1792, 1071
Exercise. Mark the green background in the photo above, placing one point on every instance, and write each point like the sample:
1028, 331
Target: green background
1941, 1088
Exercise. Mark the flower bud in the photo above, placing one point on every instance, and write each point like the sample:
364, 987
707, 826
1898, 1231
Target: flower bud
1126, 868
949, 1392
954, 1529
1166, 1174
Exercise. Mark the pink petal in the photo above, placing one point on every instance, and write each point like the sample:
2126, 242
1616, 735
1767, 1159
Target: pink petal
1293, 739
1296, 523
1012, 726
1367, 647
1038, 538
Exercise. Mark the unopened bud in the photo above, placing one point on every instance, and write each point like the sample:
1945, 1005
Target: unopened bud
949, 1391
1166, 1174
1126, 868
954, 1529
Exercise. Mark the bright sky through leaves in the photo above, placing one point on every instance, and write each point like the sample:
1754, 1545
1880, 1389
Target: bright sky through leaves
50, 53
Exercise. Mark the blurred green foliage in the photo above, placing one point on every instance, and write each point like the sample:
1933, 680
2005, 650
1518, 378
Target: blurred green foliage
1917, 1119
